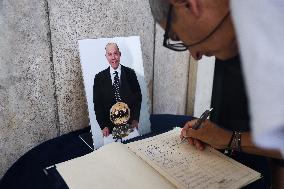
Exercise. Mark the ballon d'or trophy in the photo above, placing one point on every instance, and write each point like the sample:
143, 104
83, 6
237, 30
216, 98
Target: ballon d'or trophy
119, 115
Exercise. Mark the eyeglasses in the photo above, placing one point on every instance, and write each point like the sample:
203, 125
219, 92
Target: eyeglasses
179, 46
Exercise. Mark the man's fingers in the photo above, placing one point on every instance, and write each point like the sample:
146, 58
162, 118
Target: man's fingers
191, 141
199, 145
195, 143
105, 132
183, 133
189, 124
186, 127
193, 133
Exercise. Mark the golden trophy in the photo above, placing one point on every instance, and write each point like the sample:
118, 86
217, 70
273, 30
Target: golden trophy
119, 115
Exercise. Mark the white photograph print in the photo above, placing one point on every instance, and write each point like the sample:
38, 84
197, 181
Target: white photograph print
115, 88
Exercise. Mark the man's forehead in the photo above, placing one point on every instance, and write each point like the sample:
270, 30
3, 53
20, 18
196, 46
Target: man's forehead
111, 47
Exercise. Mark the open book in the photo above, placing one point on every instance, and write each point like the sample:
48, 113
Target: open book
153, 163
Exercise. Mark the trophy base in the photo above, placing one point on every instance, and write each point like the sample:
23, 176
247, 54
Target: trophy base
121, 131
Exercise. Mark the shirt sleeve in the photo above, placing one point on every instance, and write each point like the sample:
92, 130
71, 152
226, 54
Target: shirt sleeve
260, 33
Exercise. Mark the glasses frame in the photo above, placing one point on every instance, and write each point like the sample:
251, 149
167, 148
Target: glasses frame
182, 46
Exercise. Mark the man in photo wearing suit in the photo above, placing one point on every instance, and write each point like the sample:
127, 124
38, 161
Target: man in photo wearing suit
114, 84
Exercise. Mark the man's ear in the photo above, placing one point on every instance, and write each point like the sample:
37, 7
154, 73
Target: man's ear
193, 5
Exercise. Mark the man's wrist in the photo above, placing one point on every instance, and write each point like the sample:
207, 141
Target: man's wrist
235, 143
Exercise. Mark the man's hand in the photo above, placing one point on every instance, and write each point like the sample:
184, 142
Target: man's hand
134, 124
209, 133
105, 131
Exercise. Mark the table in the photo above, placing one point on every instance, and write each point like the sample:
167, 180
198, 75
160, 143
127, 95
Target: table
28, 172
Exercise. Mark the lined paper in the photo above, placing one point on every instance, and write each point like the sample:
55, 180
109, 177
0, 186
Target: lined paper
187, 167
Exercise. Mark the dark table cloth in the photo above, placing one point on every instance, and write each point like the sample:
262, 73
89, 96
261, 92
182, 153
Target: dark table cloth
27, 172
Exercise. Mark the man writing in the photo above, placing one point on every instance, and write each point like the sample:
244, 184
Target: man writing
205, 27
117, 83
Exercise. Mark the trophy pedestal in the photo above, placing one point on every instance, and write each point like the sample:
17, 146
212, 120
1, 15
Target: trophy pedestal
121, 131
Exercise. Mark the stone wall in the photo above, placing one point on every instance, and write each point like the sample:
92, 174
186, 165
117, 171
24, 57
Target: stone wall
171, 70
27, 103
72, 20
41, 87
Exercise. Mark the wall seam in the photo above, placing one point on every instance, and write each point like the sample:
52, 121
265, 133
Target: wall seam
57, 121
191, 86
153, 73
187, 88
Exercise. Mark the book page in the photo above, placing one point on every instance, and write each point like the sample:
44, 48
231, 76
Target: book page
187, 167
112, 166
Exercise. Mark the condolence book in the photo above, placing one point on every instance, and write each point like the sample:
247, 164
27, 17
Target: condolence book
153, 163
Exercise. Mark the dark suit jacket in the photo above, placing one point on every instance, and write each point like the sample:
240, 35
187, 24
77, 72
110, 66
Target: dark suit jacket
103, 95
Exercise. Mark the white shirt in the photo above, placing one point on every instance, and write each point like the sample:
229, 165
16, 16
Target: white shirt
260, 30
112, 74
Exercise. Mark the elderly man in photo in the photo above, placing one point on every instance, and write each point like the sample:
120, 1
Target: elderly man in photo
117, 83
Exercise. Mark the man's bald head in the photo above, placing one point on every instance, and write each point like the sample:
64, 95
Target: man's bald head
159, 9
204, 26
112, 45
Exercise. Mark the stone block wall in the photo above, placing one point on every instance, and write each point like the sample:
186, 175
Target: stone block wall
41, 87
27, 103
171, 71
73, 20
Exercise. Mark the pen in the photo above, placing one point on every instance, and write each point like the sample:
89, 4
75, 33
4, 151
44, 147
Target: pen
197, 125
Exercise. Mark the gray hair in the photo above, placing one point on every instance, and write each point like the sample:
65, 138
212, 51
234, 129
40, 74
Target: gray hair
159, 9
112, 44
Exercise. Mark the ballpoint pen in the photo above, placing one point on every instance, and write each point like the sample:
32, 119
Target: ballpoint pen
198, 123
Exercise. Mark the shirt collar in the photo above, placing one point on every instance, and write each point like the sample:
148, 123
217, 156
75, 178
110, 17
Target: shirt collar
118, 69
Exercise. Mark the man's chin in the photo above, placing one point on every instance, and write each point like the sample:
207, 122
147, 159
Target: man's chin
114, 65
209, 54
225, 56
